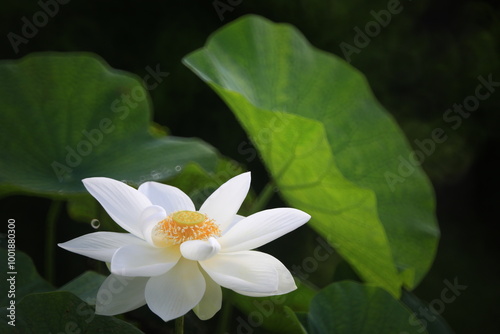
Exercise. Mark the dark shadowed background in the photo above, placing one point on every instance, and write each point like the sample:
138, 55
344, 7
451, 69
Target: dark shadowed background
426, 57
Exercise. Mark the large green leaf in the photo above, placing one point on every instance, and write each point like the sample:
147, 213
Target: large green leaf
60, 312
69, 116
330, 146
352, 308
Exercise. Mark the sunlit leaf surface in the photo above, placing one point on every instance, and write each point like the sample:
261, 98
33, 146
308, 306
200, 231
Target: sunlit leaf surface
332, 149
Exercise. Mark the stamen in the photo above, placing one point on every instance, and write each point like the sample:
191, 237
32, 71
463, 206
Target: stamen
182, 226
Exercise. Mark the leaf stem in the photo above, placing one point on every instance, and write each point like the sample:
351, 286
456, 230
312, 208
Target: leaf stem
225, 317
50, 238
265, 195
179, 325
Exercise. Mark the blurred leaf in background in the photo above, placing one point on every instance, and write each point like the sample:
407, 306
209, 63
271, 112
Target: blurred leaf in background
352, 308
70, 116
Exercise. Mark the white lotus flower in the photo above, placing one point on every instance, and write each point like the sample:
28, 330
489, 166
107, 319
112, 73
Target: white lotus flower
176, 258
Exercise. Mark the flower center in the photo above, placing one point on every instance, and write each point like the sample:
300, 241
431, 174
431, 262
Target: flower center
182, 226
188, 217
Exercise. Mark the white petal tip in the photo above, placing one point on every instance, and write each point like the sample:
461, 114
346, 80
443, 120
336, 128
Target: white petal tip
300, 213
90, 180
63, 245
205, 316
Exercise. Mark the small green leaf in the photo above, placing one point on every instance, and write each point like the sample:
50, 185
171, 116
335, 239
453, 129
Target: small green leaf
68, 116
85, 286
294, 318
274, 313
354, 308
429, 319
61, 312
302, 318
329, 145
